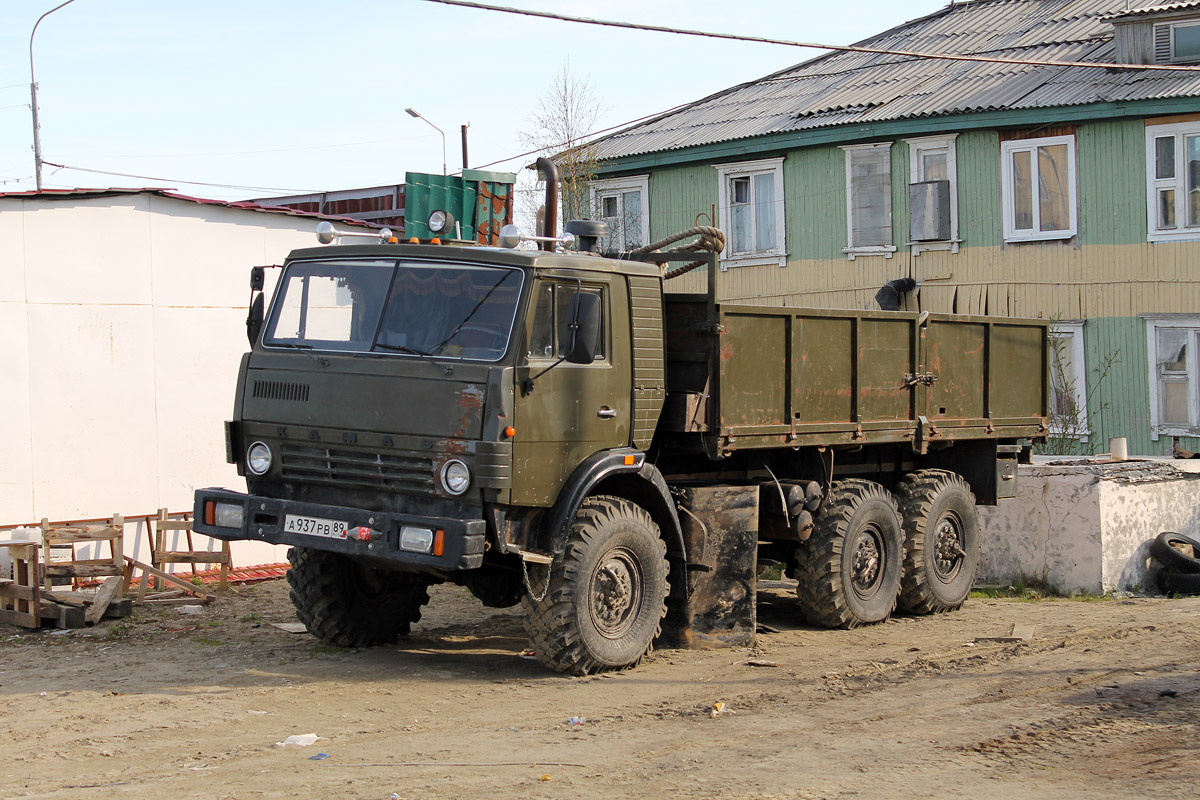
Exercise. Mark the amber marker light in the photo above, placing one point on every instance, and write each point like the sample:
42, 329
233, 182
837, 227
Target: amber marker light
439, 542
510, 432
629, 461
435, 240
414, 240
210, 512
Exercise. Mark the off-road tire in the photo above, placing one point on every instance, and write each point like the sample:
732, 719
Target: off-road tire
941, 541
1178, 582
849, 569
614, 553
1165, 551
348, 604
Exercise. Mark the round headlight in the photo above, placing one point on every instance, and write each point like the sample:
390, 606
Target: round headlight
455, 477
441, 223
258, 458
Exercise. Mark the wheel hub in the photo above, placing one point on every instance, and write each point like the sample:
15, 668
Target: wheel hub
615, 594
868, 556
947, 546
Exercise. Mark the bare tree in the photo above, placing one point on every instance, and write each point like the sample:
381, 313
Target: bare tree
559, 128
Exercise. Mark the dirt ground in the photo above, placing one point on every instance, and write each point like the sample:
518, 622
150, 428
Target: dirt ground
1101, 702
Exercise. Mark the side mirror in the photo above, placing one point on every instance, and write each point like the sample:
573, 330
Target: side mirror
584, 311
257, 278
254, 320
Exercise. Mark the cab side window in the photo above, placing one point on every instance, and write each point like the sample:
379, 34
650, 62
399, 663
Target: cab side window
550, 334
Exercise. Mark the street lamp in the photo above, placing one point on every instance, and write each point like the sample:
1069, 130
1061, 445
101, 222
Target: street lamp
37, 138
412, 112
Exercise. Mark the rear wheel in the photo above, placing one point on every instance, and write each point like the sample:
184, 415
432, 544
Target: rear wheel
849, 569
606, 597
347, 604
941, 541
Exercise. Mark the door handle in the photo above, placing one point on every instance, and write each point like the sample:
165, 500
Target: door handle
606, 412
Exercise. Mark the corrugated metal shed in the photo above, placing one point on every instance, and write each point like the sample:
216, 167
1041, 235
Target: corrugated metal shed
846, 88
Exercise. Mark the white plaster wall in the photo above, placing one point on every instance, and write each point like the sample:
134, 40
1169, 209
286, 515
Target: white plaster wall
1088, 527
122, 323
1133, 514
1050, 531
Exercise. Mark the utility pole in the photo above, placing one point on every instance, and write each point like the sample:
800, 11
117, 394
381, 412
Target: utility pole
37, 136
464, 138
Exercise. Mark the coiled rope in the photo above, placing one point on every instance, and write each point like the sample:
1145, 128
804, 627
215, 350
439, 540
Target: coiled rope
711, 240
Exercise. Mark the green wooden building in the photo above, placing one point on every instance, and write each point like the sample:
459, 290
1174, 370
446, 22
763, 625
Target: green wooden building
1029, 185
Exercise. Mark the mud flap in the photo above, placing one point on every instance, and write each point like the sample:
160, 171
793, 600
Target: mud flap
720, 534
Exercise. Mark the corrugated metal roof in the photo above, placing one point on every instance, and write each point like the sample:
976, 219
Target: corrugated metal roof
53, 194
845, 88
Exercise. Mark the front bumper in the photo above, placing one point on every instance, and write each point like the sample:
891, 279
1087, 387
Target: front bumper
264, 518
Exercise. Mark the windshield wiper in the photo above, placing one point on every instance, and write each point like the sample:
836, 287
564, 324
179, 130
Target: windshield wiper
400, 348
307, 349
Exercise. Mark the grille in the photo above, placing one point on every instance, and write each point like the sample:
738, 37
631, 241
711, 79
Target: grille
278, 390
401, 472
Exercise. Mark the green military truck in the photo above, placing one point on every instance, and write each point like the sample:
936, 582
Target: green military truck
553, 429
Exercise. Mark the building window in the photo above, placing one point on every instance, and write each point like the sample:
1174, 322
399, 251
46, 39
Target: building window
933, 194
1068, 383
624, 204
1173, 181
1174, 404
869, 200
1176, 43
1038, 188
751, 195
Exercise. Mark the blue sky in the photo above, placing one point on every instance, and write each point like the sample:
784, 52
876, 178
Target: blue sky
308, 96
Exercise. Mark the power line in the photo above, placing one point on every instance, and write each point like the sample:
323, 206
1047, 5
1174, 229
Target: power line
584, 136
253, 152
811, 45
190, 183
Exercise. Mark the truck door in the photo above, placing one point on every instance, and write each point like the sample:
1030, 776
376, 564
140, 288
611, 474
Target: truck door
573, 410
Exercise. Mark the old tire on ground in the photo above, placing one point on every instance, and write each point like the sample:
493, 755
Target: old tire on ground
1171, 550
849, 569
606, 598
1178, 582
941, 541
347, 604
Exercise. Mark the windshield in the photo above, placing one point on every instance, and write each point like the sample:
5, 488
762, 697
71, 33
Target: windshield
405, 307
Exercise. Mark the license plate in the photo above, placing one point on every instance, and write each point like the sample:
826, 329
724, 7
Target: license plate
315, 526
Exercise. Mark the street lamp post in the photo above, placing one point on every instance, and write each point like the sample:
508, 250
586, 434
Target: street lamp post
37, 137
412, 112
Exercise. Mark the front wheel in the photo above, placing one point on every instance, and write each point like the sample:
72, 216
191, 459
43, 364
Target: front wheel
348, 604
849, 569
606, 596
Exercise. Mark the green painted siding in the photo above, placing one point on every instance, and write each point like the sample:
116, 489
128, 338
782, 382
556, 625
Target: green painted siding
979, 214
678, 195
1111, 165
1119, 395
814, 184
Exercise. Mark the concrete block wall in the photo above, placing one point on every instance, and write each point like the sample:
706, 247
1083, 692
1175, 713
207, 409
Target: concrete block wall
1085, 526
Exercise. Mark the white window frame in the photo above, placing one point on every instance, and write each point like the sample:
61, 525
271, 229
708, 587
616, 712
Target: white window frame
1179, 131
1071, 334
776, 255
851, 250
1007, 191
916, 174
599, 189
1153, 324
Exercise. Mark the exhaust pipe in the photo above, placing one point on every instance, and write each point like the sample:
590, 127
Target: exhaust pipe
549, 171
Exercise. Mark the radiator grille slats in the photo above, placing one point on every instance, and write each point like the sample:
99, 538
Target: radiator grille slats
400, 472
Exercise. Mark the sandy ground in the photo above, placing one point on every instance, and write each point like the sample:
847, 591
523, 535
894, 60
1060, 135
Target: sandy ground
1102, 702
